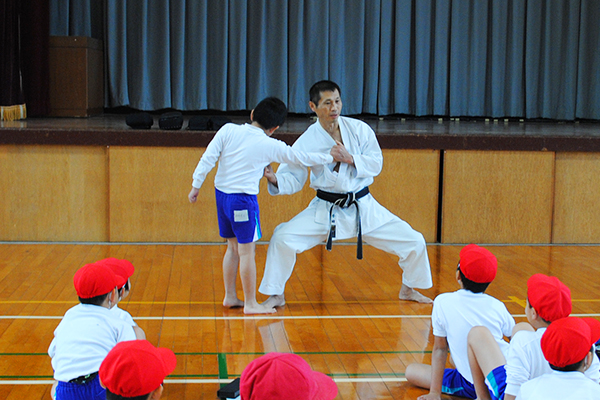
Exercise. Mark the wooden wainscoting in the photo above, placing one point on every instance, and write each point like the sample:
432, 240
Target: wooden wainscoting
53, 193
576, 205
497, 197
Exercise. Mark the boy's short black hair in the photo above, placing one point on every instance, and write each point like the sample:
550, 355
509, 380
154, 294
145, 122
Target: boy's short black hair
471, 286
572, 367
123, 289
95, 301
322, 86
270, 112
112, 396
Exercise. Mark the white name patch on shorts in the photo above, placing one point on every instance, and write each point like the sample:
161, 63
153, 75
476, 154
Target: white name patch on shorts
240, 215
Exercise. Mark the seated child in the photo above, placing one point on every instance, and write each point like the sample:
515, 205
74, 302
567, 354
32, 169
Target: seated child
568, 345
243, 153
136, 370
548, 299
86, 334
453, 316
124, 269
284, 376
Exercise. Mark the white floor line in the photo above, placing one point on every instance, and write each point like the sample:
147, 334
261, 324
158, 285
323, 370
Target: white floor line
251, 317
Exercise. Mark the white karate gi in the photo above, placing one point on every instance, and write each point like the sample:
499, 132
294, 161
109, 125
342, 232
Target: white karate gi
380, 228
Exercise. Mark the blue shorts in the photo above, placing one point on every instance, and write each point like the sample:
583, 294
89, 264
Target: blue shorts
454, 384
496, 380
73, 391
238, 216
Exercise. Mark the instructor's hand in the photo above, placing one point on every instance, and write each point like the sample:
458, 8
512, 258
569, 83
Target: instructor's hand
270, 175
193, 196
340, 154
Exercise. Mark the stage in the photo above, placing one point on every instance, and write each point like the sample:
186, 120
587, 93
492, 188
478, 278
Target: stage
392, 132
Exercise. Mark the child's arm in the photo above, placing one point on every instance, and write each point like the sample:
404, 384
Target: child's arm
439, 355
207, 163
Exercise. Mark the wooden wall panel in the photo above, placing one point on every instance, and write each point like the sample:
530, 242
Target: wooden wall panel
497, 197
576, 207
148, 196
408, 186
53, 193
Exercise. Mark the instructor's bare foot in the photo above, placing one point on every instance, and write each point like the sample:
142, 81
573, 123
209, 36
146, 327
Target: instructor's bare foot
232, 302
276, 300
410, 294
258, 309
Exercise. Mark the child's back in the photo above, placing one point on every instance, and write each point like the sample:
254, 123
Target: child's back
86, 334
454, 314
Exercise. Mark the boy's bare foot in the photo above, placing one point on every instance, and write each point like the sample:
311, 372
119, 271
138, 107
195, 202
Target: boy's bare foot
258, 309
410, 294
232, 302
275, 300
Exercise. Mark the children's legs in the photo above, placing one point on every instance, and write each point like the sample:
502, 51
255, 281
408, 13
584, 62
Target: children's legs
231, 261
419, 375
246, 253
484, 356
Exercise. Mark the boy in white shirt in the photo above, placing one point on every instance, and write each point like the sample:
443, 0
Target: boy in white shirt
243, 152
496, 377
86, 334
568, 345
453, 316
123, 269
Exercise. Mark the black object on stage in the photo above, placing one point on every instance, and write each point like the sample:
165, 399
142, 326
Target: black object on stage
172, 120
141, 120
216, 122
198, 123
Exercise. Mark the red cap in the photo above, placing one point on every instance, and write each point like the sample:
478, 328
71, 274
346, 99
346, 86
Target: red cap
550, 298
136, 368
478, 264
93, 280
122, 268
568, 340
284, 376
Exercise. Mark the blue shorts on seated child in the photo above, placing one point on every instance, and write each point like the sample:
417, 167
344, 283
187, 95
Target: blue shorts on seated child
456, 385
238, 216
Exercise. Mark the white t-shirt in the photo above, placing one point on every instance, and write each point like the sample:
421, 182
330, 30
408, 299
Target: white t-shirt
243, 152
122, 314
526, 361
560, 386
455, 313
83, 338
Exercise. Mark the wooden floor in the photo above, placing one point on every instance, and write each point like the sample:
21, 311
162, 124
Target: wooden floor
342, 315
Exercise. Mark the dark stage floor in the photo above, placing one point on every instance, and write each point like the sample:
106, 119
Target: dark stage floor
432, 133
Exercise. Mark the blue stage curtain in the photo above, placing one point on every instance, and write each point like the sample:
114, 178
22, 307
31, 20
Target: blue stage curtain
513, 58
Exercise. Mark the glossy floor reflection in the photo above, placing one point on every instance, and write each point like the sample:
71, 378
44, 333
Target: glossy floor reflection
342, 315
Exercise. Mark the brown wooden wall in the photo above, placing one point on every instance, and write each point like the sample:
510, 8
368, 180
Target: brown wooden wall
139, 194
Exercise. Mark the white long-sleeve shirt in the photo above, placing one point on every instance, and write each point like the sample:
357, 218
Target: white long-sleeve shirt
243, 151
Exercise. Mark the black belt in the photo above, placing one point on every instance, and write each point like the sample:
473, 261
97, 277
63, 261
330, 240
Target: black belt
343, 200
83, 379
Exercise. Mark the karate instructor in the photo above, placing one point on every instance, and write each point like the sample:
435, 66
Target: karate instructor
343, 208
